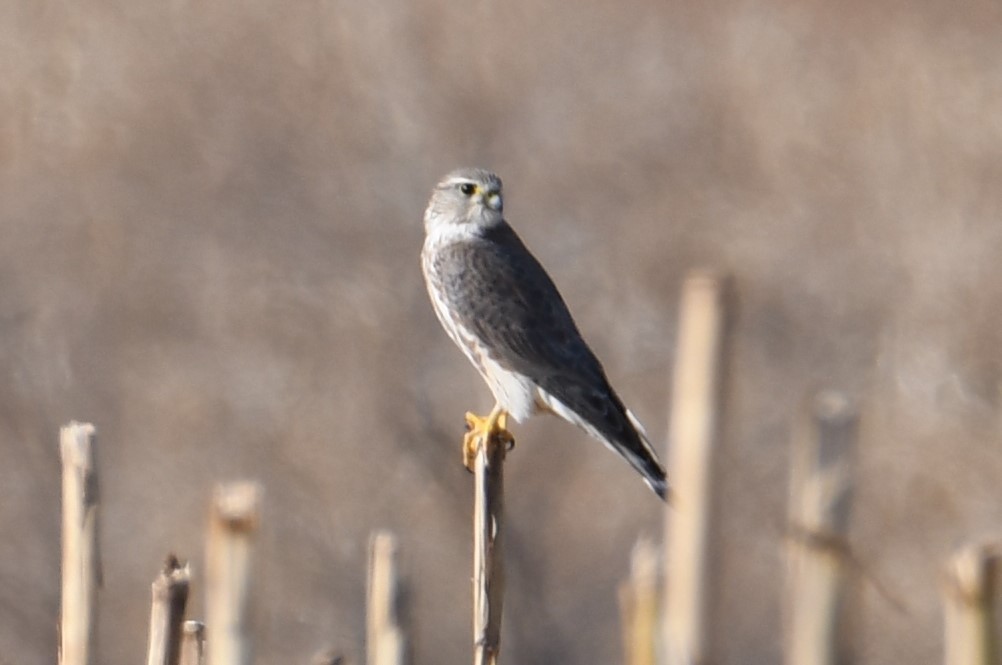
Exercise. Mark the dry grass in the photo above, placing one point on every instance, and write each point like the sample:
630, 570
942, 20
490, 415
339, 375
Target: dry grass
211, 220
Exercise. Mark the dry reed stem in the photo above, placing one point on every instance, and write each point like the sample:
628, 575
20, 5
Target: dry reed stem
81, 568
385, 639
488, 532
969, 591
233, 526
640, 607
170, 596
818, 560
193, 643
692, 432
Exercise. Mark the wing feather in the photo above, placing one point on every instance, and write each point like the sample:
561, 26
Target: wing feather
498, 290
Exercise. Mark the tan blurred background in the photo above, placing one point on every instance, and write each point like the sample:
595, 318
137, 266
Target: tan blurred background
211, 218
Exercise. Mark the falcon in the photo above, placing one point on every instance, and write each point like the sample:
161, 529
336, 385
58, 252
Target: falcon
501, 308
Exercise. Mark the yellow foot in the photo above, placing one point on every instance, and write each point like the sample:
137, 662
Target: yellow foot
491, 428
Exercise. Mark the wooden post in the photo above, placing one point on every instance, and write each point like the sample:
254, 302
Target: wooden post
819, 513
488, 539
639, 605
193, 643
385, 640
81, 569
969, 606
233, 526
692, 432
170, 595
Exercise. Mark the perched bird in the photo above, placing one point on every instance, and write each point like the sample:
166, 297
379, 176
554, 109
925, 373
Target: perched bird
497, 303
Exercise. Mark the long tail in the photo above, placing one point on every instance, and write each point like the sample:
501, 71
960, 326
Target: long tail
641, 456
605, 418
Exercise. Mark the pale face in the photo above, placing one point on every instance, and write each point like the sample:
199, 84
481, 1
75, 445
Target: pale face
468, 198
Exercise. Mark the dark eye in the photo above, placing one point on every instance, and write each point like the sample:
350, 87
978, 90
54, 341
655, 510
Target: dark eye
468, 188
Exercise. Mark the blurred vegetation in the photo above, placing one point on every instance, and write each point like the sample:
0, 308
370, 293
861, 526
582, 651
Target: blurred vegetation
211, 220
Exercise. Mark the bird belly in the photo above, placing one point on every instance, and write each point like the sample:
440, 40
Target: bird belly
516, 393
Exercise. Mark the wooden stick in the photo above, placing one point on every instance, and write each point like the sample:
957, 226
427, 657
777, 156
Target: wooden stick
488, 538
385, 640
692, 433
193, 643
170, 595
638, 598
81, 568
818, 554
232, 529
969, 606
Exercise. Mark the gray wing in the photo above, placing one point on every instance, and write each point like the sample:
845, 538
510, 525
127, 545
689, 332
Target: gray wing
497, 289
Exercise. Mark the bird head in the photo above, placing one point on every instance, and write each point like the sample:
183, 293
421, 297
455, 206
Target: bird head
466, 201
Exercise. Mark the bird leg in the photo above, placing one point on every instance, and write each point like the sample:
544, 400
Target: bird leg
484, 431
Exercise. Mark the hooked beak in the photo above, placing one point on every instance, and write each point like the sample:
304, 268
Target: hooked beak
493, 201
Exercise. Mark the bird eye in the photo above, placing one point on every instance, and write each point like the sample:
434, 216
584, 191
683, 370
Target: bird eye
468, 188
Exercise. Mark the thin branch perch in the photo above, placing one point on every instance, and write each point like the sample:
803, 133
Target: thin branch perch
488, 532
81, 568
640, 607
385, 640
170, 596
193, 643
969, 606
694, 418
232, 530
819, 560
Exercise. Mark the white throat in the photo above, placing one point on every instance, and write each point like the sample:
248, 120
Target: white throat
440, 233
